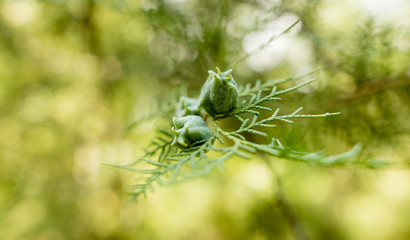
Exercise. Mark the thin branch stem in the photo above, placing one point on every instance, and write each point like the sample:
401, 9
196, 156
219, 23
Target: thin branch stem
266, 44
296, 226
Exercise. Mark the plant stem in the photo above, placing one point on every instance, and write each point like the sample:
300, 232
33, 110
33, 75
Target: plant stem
296, 226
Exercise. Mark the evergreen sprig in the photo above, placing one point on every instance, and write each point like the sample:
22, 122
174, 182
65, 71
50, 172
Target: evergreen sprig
164, 163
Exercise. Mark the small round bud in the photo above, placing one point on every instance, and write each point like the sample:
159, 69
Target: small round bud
188, 106
219, 95
190, 131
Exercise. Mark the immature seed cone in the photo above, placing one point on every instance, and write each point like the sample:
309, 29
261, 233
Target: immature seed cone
219, 95
190, 131
188, 106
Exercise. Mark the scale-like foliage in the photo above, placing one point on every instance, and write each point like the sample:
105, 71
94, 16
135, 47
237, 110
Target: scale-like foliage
164, 164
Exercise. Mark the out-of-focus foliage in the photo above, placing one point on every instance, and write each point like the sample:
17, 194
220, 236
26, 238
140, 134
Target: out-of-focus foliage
74, 74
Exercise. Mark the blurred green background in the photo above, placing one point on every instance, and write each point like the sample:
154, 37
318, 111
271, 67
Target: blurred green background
74, 74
